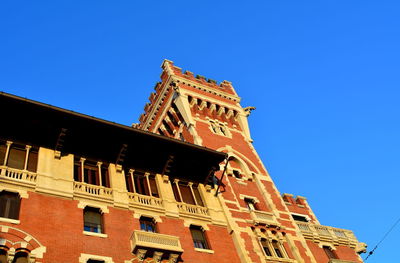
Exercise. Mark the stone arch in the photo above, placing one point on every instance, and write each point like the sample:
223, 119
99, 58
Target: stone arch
248, 165
16, 239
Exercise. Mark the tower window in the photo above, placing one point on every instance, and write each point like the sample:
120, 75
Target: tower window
199, 238
237, 174
9, 205
277, 249
95, 261
266, 248
251, 204
93, 221
329, 252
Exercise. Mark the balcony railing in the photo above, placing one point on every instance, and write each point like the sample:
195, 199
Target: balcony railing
328, 233
146, 200
263, 217
145, 239
195, 210
16, 175
93, 190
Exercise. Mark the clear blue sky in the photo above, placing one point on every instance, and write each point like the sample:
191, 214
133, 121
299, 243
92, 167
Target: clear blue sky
324, 76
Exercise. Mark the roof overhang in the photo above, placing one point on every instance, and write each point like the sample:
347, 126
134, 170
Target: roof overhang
40, 124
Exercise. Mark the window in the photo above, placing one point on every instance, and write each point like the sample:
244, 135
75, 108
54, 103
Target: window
147, 224
141, 183
199, 239
187, 193
9, 205
251, 204
20, 257
265, 246
91, 172
300, 218
3, 256
21, 157
92, 220
329, 252
277, 249
95, 261
237, 174
219, 128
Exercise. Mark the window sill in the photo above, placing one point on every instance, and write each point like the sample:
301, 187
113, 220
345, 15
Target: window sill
209, 251
87, 233
9, 220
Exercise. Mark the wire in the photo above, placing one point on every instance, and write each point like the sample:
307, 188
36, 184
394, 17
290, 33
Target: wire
383, 238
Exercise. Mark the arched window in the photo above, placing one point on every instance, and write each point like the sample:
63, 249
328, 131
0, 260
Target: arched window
277, 249
9, 205
3, 256
199, 238
93, 220
20, 257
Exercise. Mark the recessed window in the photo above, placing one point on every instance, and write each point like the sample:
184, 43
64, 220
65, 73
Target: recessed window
277, 249
91, 172
141, 183
95, 261
19, 157
199, 238
329, 252
237, 174
219, 128
93, 221
9, 205
147, 224
187, 193
266, 248
299, 218
20, 257
250, 204
3, 255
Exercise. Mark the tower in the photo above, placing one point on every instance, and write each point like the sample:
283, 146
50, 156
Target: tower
264, 226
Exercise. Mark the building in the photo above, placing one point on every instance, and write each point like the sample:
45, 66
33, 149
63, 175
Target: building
183, 185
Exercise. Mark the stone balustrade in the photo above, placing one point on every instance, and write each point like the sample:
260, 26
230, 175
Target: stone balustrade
314, 231
93, 190
157, 241
18, 176
195, 210
145, 200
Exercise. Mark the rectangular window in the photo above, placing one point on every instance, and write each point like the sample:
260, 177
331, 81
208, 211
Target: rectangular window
3, 150
186, 194
250, 204
16, 157
95, 261
92, 220
329, 252
32, 160
266, 248
277, 249
199, 239
147, 224
9, 205
300, 218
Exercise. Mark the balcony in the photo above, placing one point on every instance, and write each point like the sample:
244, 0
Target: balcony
145, 200
327, 233
193, 210
16, 176
155, 241
262, 217
93, 191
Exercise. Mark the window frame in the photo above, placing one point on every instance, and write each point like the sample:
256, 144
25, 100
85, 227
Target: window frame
203, 242
27, 151
86, 223
8, 210
148, 224
194, 192
91, 172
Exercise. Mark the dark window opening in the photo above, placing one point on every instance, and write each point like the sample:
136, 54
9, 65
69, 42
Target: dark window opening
9, 205
277, 249
329, 252
20, 257
199, 238
147, 224
237, 174
95, 261
172, 118
250, 204
32, 160
92, 218
16, 157
300, 218
3, 256
3, 150
266, 248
